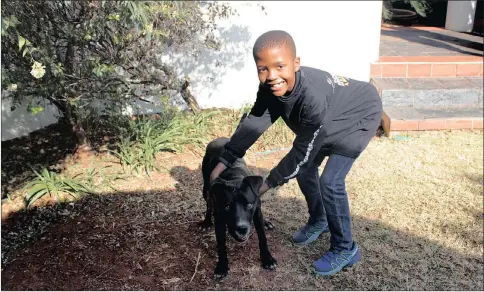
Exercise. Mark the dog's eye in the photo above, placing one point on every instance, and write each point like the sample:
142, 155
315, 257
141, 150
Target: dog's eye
249, 206
227, 208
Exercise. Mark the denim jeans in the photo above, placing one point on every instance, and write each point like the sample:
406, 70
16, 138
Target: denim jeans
327, 198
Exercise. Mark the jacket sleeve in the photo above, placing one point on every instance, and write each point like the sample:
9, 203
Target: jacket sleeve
305, 148
260, 118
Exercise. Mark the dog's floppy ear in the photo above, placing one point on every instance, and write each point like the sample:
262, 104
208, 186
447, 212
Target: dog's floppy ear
220, 190
254, 182
217, 186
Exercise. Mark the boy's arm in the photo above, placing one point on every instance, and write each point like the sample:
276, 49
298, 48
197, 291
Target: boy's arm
304, 150
249, 130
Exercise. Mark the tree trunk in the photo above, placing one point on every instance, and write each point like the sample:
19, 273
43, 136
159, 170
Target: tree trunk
70, 118
83, 143
188, 97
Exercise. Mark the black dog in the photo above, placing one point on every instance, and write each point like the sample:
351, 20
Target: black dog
234, 200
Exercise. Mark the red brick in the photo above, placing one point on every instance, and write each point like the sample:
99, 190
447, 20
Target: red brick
477, 124
418, 70
459, 124
441, 59
375, 70
430, 59
469, 69
433, 124
394, 70
444, 70
386, 59
404, 125
426, 28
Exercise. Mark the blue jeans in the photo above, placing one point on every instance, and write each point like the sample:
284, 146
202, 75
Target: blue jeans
327, 198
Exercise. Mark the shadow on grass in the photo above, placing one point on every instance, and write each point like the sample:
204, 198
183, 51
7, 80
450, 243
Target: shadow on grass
150, 241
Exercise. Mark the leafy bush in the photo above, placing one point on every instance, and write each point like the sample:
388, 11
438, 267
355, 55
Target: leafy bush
95, 58
422, 7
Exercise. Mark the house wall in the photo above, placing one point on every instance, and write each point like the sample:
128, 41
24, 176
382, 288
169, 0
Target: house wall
342, 37
338, 36
20, 122
460, 15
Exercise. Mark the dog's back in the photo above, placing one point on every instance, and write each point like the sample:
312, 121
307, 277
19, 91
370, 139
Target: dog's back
216, 146
213, 151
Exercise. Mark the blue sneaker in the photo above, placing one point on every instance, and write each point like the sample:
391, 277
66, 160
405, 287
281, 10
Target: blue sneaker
309, 233
334, 261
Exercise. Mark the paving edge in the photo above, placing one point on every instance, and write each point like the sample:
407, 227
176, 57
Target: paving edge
425, 69
391, 125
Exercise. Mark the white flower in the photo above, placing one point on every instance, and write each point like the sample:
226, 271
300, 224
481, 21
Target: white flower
148, 28
38, 70
12, 87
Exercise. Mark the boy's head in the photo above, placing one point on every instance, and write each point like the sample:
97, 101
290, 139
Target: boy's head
275, 57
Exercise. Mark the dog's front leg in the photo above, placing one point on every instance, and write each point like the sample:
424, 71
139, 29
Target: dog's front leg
222, 268
207, 222
268, 262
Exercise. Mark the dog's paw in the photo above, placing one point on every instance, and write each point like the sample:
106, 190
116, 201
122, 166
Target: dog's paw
269, 263
221, 271
268, 225
205, 225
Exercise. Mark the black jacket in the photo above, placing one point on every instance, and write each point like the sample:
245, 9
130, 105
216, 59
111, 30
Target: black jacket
328, 113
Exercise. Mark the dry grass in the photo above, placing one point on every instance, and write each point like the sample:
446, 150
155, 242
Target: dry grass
417, 209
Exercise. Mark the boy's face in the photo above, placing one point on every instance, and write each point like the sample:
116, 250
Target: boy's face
277, 69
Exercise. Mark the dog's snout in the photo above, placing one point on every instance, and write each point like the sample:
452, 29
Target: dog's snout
242, 228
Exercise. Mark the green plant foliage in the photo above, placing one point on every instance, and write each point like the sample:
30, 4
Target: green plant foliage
52, 184
94, 58
147, 136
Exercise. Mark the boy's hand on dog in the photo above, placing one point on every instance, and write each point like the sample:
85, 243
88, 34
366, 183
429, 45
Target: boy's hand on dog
217, 171
221, 167
264, 188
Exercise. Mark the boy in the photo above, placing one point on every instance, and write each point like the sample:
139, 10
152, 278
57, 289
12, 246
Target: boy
332, 117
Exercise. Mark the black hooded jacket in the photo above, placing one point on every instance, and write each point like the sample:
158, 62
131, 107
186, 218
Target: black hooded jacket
328, 113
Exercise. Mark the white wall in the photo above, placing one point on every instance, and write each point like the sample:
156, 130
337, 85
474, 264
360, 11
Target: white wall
460, 15
338, 36
20, 122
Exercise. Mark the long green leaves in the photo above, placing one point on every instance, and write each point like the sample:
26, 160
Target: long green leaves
147, 136
50, 183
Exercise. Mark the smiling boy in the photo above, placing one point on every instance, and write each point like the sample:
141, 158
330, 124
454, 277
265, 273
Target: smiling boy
331, 116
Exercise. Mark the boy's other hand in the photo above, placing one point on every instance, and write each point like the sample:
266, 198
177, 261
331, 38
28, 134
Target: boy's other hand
217, 171
264, 188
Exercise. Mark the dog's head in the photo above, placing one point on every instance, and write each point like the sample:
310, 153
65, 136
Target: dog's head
237, 200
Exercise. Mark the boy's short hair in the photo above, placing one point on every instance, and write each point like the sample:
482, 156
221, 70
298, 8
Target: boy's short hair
274, 39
